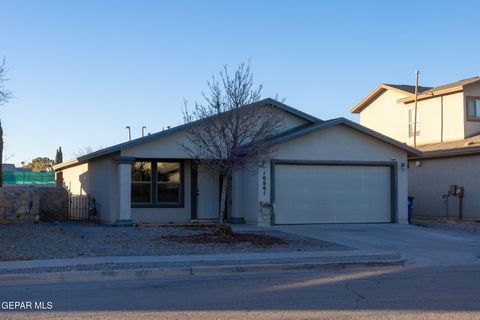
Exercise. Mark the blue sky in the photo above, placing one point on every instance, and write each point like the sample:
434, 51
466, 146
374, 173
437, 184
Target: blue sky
83, 70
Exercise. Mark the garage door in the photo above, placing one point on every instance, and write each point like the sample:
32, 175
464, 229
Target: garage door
332, 194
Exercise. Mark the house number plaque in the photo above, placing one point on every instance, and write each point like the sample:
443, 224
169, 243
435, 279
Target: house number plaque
264, 183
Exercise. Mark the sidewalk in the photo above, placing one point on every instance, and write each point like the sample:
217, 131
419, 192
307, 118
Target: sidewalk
131, 267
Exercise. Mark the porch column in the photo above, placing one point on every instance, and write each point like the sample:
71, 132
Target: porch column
237, 199
124, 217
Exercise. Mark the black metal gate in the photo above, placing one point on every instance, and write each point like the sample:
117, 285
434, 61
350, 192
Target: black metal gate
82, 208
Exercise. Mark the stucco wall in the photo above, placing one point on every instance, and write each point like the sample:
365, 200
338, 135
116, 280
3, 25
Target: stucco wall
71, 179
440, 118
471, 127
290, 121
453, 115
344, 143
386, 116
167, 147
249, 197
431, 180
101, 187
97, 179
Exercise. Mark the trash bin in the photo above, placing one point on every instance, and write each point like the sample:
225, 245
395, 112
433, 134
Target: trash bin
410, 206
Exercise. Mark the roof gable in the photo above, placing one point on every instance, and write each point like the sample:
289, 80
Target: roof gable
409, 91
293, 134
380, 89
117, 148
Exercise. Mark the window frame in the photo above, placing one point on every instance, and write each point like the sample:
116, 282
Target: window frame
412, 123
143, 182
476, 118
154, 182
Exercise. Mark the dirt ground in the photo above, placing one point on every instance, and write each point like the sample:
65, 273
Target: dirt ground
70, 240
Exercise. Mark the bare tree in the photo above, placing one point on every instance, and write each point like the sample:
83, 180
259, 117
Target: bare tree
84, 151
5, 95
230, 127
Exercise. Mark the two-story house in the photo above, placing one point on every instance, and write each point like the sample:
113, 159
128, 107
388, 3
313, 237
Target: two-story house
447, 133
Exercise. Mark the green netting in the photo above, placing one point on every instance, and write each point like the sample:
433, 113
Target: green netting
29, 178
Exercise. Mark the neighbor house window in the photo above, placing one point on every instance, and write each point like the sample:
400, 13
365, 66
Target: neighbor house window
157, 183
473, 108
411, 122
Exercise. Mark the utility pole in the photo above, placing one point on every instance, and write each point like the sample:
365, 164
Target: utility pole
415, 116
129, 133
143, 131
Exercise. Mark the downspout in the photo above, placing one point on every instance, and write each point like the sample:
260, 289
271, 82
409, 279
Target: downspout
445, 199
415, 117
441, 116
460, 208
461, 193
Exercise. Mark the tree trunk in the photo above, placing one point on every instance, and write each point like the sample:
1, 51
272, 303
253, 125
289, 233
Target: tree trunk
1, 155
223, 200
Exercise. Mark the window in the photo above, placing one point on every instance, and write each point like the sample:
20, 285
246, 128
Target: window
141, 182
411, 120
473, 108
168, 182
157, 184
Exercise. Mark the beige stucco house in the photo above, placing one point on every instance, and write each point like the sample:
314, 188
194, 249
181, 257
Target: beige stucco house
448, 134
333, 171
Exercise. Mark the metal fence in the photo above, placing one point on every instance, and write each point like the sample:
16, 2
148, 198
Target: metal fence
82, 208
19, 177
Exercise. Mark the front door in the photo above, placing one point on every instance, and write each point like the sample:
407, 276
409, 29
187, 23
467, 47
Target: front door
208, 191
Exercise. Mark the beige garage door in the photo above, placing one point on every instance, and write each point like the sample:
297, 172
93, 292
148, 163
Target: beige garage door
332, 194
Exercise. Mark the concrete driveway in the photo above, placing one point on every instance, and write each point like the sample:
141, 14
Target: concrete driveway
422, 247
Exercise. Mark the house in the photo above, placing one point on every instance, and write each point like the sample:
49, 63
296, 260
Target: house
334, 171
445, 178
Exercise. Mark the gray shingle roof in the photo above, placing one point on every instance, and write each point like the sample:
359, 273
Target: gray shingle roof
462, 147
408, 88
463, 82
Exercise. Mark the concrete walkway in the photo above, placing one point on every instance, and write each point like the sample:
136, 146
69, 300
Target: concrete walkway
422, 247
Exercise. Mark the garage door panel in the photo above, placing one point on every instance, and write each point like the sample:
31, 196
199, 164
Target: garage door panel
332, 194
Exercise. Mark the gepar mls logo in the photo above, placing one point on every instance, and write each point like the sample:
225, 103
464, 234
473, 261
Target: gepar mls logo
26, 305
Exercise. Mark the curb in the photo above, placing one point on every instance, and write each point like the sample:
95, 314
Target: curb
155, 273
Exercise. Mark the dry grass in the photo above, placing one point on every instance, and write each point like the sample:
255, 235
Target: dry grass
257, 240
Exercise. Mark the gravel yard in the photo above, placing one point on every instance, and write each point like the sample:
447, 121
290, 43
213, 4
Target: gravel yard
72, 240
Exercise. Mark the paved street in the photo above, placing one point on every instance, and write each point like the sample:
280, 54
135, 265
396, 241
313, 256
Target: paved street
441, 280
375, 293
